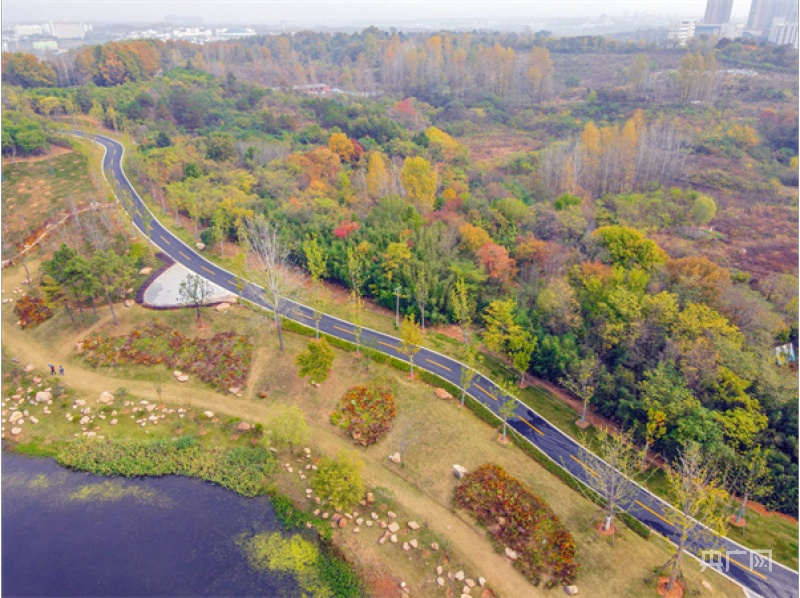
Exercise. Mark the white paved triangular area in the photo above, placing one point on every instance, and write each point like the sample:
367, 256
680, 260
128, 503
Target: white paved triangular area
163, 291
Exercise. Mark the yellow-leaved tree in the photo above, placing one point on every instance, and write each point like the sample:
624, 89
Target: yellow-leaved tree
419, 181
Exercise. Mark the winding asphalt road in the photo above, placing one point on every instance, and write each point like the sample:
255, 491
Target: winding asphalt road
763, 577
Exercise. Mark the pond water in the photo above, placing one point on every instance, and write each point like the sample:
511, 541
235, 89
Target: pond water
67, 533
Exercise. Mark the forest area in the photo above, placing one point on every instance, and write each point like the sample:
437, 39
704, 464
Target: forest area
613, 218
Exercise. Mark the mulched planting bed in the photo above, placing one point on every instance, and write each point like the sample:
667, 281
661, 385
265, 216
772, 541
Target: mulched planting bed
520, 521
223, 361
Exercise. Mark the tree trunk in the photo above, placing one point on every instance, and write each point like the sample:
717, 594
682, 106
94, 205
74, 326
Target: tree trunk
199, 314
463, 395
71, 317
607, 522
111, 305
27, 272
583, 414
280, 329
740, 514
422, 316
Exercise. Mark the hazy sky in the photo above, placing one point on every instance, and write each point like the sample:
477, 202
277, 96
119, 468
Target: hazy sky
338, 12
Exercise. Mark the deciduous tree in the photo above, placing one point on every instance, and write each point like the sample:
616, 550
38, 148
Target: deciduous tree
316, 360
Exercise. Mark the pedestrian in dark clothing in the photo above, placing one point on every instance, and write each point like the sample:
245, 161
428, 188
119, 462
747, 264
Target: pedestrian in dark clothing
52, 369
61, 370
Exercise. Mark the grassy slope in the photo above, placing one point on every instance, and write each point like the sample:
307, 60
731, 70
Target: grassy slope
762, 530
436, 435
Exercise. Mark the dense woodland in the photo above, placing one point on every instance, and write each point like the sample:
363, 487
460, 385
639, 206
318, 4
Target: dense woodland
579, 199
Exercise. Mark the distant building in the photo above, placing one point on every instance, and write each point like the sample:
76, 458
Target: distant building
235, 33
721, 31
313, 89
783, 34
762, 12
66, 30
718, 12
785, 354
680, 33
28, 30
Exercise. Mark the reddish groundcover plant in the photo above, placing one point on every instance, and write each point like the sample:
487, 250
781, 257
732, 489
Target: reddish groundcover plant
223, 361
365, 414
32, 311
518, 519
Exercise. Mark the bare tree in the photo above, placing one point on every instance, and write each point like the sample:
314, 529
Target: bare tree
194, 291
271, 258
700, 498
609, 471
582, 381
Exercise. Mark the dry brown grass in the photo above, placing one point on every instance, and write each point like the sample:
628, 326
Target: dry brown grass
436, 434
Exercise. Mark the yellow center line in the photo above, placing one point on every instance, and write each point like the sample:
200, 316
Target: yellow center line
183, 254
163, 238
439, 364
487, 392
302, 315
574, 458
746, 568
530, 425
207, 270
645, 507
387, 345
343, 329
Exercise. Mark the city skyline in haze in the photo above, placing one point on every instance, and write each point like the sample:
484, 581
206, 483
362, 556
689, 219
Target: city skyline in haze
311, 13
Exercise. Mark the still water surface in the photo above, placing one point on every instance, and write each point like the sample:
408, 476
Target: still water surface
67, 533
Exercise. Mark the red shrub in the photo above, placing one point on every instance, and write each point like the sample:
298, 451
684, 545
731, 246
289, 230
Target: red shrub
520, 520
32, 311
365, 413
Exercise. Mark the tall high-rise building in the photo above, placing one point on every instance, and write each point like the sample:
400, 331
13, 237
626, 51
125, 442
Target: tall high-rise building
763, 11
718, 12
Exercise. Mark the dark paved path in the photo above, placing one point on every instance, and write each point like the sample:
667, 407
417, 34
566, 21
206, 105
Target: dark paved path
741, 565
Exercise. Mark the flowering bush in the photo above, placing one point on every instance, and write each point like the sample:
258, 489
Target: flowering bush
223, 361
365, 414
32, 311
518, 519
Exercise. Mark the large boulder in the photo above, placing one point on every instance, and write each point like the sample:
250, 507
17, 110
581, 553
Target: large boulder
443, 394
459, 471
43, 396
224, 306
395, 458
570, 590
16, 416
105, 398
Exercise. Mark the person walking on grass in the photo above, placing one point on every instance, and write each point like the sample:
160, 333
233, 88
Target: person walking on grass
52, 369
61, 370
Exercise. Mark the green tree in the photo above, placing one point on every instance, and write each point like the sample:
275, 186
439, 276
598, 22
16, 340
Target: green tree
703, 210
581, 380
627, 247
114, 273
54, 294
317, 266
463, 307
751, 481
316, 360
411, 336
289, 428
338, 480
521, 346
499, 321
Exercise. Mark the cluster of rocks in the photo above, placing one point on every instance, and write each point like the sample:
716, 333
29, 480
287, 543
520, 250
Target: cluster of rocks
302, 470
180, 376
458, 578
14, 411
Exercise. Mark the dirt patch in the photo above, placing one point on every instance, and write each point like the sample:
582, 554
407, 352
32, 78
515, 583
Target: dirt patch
486, 148
55, 150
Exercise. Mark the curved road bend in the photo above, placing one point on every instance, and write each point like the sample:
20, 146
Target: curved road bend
770, 580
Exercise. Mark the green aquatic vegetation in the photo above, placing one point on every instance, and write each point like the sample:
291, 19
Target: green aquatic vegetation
111, 491
294, 555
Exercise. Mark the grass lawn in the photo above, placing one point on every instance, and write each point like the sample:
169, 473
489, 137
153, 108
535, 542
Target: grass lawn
432, 435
